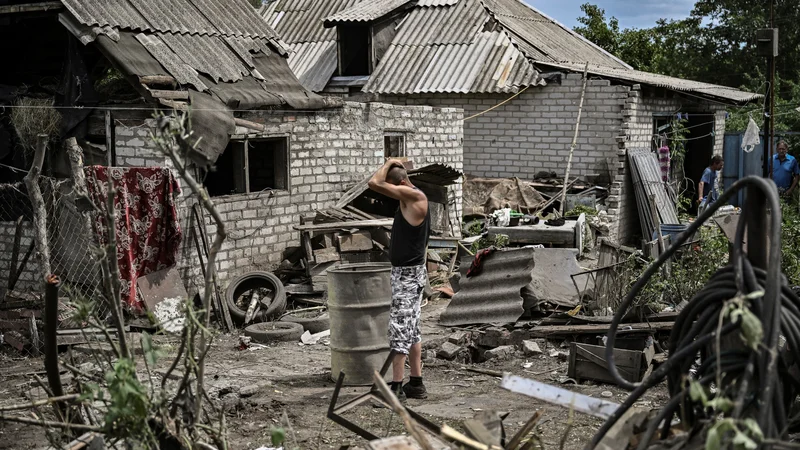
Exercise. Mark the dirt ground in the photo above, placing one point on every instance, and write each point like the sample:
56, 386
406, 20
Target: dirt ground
294, 380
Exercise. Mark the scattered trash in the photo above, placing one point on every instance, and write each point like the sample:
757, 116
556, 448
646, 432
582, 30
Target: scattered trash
607, 394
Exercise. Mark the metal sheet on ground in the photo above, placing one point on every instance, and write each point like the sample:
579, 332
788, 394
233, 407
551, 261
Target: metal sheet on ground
163, 294
601, 409
551, 278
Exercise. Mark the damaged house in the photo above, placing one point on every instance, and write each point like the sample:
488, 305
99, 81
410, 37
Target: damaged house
517, 74
270, 150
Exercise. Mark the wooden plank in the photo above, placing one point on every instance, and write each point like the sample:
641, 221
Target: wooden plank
174, 95
563, 330
587, 362
360, 241
326, 255
345, 225
353, 192
538, 234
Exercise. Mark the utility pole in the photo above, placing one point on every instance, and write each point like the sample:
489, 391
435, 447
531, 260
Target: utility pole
767, 45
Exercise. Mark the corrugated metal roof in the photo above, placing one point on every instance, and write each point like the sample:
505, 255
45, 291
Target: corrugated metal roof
436, 2
494, 65
301, 21
458, 24
208, 55
458, 46
494, 295
672, 83
365, 11
313, 63
208, 17
556, 42
217, 46
438, 174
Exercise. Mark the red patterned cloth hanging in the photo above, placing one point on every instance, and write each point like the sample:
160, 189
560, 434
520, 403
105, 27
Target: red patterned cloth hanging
147, 230
664, 162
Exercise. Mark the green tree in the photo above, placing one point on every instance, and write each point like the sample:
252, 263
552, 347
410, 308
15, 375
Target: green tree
715, 44
604, 33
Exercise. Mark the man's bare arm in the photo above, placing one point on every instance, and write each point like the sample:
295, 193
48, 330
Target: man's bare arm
700, 190
379, 184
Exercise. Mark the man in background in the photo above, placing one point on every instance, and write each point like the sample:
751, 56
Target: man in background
408, 254
785, 171
706, 189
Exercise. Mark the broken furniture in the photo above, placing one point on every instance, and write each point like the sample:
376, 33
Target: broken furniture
568, 235
357, 229
587, 362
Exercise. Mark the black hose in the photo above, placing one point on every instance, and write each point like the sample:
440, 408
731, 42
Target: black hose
744, 370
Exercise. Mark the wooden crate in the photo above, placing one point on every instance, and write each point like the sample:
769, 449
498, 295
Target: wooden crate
588, 362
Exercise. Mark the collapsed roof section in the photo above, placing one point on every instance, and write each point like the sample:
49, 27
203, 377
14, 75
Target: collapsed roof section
218, 53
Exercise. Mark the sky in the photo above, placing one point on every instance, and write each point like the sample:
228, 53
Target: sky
631, 13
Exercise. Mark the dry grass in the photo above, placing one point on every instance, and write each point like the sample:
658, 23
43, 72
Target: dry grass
33, 116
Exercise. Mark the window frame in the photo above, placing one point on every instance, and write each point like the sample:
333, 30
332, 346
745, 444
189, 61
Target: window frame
242, 159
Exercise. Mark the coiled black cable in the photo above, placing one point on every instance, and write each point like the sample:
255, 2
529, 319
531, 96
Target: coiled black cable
750, 375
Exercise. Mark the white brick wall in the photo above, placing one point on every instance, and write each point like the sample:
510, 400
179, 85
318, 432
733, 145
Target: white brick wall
330, 151
533, 132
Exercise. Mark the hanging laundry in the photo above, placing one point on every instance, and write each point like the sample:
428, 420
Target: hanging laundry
751, 137
664, 161
147, 230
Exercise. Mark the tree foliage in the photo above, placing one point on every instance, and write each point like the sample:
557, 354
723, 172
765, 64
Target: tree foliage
715, 44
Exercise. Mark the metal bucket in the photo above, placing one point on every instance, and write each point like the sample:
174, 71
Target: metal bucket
671, 230
359, 297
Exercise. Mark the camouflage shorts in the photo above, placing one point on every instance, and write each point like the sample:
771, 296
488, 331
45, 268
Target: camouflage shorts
407, 286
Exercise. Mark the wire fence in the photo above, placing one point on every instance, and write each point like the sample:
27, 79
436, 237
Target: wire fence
73, 257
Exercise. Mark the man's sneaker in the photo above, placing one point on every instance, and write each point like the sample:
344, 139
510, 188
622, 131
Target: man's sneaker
401, 395
417, 391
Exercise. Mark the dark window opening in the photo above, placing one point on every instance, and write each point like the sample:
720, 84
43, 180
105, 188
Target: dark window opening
250, 166
354, 51
394, 145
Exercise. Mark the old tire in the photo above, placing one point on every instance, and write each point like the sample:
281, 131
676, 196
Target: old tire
263, 281
311, 323
274, 332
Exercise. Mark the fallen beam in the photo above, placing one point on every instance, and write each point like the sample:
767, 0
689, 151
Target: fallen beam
600, 328
345, 225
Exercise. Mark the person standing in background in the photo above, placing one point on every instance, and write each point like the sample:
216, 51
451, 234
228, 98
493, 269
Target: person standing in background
785, 171
706, 189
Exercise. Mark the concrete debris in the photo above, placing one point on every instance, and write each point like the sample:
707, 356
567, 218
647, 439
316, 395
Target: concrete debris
231, 402
429, 356
493, 337
531, 348
500, 353
459, 338
249, 391
449, 351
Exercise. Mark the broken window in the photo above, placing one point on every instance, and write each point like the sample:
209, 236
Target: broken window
355, 49
252, 165
394, 145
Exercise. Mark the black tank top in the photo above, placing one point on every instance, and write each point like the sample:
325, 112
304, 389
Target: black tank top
409, 242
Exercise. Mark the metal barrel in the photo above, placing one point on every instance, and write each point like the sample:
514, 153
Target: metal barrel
359, 298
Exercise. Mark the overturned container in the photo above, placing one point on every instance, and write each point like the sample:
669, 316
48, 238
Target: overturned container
359, 297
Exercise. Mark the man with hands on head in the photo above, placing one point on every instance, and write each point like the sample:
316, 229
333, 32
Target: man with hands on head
407, 253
